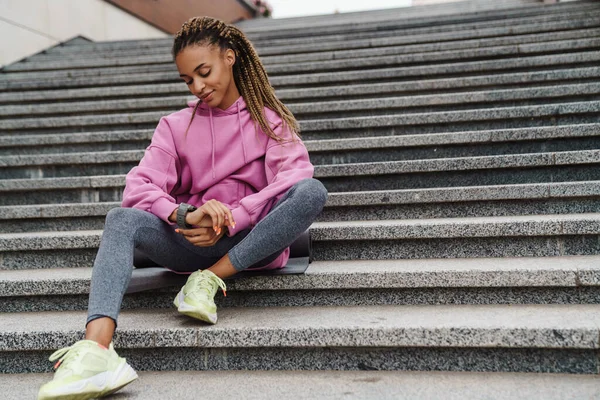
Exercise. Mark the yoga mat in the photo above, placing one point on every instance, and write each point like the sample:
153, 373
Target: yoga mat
149, 275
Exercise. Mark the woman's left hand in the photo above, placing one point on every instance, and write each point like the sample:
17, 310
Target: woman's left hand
202, 237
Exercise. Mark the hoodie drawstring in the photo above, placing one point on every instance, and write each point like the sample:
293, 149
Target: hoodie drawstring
241, 132
212, 133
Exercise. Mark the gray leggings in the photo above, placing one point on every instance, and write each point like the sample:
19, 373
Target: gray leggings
129, 228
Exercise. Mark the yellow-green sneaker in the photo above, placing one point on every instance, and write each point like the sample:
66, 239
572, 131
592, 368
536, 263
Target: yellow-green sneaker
196, 297
86, 370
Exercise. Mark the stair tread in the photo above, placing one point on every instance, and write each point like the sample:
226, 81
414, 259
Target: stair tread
547, 326
317, 385
564, 271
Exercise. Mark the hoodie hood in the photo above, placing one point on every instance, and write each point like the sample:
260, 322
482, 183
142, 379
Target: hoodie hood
237, 107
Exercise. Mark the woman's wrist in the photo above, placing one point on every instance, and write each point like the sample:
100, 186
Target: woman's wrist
173, 216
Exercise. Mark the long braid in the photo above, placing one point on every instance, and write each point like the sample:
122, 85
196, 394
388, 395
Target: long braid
249, 74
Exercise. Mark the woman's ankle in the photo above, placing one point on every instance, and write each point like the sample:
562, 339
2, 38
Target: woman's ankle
101, 331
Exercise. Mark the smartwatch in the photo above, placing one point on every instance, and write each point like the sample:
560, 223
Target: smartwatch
183, 209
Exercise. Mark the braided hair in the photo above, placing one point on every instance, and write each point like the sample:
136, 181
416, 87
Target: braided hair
248, 71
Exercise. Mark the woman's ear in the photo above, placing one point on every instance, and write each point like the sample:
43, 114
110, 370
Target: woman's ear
230, 57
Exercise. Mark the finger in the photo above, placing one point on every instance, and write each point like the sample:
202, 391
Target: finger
210, 210
220, 214
207, 241
215, 215
193, 232
228, 216
203, 237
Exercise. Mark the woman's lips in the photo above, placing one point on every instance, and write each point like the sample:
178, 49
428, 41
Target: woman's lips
208, 97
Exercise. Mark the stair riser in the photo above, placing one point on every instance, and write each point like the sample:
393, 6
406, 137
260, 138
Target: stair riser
78, 195
326, 297
527, 246
482, 177
338, 157
354, 213
74, 148
475, 247
327, 358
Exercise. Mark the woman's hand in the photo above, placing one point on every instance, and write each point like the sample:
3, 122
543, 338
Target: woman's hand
210, 219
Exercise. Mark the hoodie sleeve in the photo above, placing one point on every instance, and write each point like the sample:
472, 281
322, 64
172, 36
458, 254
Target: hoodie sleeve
285, 165
149, 184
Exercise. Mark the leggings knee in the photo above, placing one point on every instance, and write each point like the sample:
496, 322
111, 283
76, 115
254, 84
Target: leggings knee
122, 217
314, 194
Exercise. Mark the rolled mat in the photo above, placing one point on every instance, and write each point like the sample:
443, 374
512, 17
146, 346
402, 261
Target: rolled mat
149, 275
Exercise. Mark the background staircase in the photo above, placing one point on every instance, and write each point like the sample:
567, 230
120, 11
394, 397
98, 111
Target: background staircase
460, 145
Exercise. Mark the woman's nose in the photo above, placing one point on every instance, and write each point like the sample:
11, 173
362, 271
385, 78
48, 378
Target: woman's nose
198, 86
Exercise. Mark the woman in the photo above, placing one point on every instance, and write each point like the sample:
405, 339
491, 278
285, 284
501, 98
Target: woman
230, 169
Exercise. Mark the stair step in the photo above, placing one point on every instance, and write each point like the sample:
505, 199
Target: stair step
537, 280
557, 338
320, 385
510, 236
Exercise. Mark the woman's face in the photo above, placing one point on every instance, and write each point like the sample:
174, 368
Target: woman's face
208, 72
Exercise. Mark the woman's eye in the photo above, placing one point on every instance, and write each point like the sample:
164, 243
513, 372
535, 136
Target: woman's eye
205, 75
189, 83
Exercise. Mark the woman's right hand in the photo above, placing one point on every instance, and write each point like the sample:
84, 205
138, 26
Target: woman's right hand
220, 215
206, 232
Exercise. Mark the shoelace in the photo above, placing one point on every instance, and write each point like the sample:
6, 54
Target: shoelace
66, 354
201, 278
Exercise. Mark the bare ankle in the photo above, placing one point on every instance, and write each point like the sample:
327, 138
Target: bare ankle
100, 330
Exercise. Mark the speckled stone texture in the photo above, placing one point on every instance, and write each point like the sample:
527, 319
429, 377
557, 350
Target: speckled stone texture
530, 326
556, 338
547, 280
320, 385
75, 143
452, 202
511, 236
570, 361
347, 151
327, 297
459, 150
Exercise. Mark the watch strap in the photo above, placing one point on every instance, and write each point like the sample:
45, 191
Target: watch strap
183, 209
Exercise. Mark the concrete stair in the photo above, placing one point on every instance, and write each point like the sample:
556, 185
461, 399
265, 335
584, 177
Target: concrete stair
460, 145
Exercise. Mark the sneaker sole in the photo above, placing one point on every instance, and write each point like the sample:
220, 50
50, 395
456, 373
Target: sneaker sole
191, 311
123, 376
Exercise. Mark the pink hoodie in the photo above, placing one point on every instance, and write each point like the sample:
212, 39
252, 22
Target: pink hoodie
225, 158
